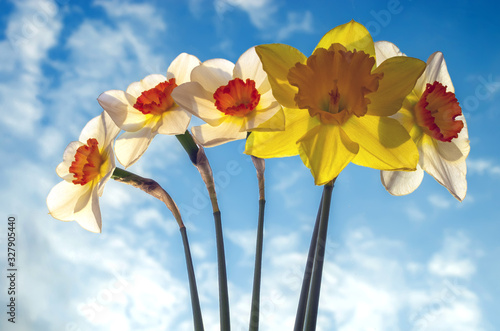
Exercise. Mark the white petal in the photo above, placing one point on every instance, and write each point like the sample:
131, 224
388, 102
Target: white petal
261, 115
449, 174
181, 68
93, 129
110, 128
107, 168
62, 169
436, 70
198, 101
249, 66
130, 146
402, 182
116, 104
174, 121
213, 74
151, 81
458, 149
135, 89
210, 136
70, 202
385, 50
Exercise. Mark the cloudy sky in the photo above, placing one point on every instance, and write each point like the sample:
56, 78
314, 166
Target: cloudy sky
419, 262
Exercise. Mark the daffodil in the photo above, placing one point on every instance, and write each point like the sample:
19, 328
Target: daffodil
146, 108
433, 116
231, 99
87, 165
337, 102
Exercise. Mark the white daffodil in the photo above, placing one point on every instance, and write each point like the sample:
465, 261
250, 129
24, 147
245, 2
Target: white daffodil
146, 108
87, 165
232, 99
434, 119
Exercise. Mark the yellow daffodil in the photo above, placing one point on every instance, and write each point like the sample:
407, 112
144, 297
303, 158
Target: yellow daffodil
433, 117
146, 108
232, 99
337, 102
87, 165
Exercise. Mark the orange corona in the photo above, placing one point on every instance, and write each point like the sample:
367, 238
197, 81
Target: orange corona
335, 83
87, 163
237, 98
157, 100
436, 113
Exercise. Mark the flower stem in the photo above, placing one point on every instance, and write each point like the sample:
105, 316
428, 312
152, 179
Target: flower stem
195, 301
255, 309
197, 155
154, 189
306, 280
319, 254
149, 186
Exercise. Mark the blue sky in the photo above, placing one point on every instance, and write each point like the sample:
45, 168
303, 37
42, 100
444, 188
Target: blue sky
419, 262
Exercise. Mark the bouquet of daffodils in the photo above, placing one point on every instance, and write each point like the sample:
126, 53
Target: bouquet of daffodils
351, 100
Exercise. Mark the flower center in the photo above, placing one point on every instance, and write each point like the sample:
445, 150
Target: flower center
237, 98
334, 83
87, 163
157, 100
436, 111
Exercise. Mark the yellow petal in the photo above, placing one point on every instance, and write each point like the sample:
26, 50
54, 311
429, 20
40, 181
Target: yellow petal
277, 59
352, 35
400, 76
326, 150
384, 143
281, 143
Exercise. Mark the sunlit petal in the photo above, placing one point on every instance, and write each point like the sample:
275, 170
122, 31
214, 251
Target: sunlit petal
400, 74
384, 143
181, 67
210, 136
449, 174
402, 182
326, 150
352, 35
277, 59
130, 146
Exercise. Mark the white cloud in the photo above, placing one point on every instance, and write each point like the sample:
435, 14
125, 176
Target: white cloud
440, 201
415, 213
259, 11
483, 167
32, 30
264, 16
296, 22
454, 259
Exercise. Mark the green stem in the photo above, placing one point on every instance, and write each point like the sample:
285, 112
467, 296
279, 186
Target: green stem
154, 189
255, 310
199, 159
319, 255
195, 301
221, 263
306, 281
